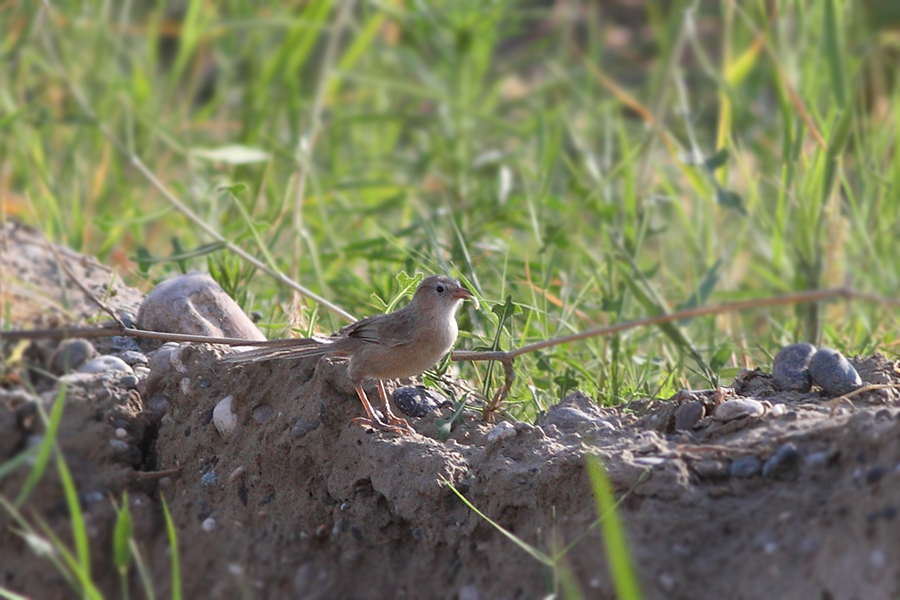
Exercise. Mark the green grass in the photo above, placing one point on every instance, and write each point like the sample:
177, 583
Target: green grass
592, 174
726, 151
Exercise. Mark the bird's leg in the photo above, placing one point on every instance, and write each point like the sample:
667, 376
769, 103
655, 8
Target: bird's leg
372, 419
391, 417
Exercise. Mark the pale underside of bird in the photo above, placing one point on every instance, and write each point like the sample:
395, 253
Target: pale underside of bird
395, 345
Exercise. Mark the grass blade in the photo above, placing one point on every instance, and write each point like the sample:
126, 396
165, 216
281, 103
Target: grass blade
620, 565
173, 545
46, 447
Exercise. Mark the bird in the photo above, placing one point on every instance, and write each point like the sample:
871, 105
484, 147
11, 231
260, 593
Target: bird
395, 345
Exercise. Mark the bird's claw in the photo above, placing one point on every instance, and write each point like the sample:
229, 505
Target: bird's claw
396, 426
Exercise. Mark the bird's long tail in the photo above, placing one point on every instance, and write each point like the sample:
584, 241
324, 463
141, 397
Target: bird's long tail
285, 349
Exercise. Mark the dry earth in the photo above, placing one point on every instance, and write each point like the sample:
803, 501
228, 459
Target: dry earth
298, 502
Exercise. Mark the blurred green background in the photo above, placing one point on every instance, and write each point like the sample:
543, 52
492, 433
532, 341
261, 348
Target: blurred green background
594, 161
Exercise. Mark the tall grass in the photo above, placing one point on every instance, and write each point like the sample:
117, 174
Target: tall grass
594, 164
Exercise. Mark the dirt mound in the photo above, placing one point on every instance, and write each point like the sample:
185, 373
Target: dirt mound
797, 499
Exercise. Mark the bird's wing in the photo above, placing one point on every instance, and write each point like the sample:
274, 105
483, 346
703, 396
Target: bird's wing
390, 330
285, 349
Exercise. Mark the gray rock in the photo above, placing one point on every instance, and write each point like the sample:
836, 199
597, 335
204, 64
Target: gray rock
790, 368
745, 466
417, 401
132, 357
195, 304
688, 414
833, 372
739, 408
71, 354
105, 363
783, 464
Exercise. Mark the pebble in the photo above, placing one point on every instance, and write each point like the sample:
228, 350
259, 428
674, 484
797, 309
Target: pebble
501, 431
262, 413
778, 410
196, 304
209, 524
745, 466
783, 463
875, 474
833, 372
121, 433
688, 414
209, 479
71, 354
739, 408
301, 428
119, 445
418, 401
223, 417
790, 368
105, 363
129, 382
132, 358
568, 418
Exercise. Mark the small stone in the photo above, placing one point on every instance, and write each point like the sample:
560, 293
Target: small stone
710, 468
71, 354
568, 418
688, 414
833, 372
121, 433
238, 473
501, 431
105, 363
262, 413
418, 401
875, 474
209, 525
778, 410
302, 428
739, 408
745, 466
790, 368
129, 382
119, 445
783, 464
223, 417
470, 592
209, 479
132, 358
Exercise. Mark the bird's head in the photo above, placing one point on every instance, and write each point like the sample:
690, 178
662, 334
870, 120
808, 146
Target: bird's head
441, 293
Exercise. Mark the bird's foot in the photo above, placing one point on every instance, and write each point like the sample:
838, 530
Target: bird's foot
397, 426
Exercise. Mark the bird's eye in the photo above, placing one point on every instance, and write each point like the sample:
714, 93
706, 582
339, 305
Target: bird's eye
439, 289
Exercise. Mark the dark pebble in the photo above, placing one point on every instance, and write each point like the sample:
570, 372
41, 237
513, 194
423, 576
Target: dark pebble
417, 401
889, 512
687, 415
745, 466
129, 382
783, 464
133, 358
884, 415
301, 428
71, 354
242, 494
875, 474
833, 372
790, 368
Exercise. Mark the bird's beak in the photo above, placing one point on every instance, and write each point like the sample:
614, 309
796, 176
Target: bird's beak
462, 293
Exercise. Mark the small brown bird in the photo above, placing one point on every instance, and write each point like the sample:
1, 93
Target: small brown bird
390, 346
